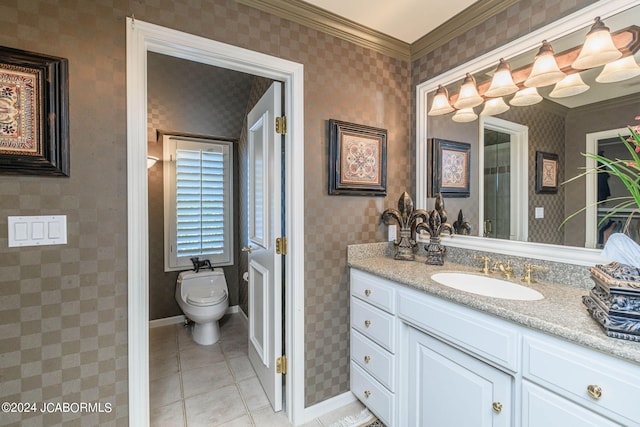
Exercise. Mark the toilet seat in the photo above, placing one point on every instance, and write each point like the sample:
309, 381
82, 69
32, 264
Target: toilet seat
206, 296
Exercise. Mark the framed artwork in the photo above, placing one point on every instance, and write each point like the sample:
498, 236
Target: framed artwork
450, 168
357, 159
34, 119
546, 173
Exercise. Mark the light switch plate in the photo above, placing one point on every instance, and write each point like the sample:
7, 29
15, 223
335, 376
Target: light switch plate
37, 230
392, 233
539, 212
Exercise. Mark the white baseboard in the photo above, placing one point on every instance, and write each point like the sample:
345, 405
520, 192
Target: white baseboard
329, 405
174, 320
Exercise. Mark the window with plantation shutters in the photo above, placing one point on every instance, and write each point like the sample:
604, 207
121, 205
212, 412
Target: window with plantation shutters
198, 202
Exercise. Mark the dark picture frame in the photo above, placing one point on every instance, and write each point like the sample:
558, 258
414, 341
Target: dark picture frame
34, 113
450, 168
357, 159
546, 173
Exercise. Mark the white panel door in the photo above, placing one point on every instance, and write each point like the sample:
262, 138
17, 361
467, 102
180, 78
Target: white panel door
265, 225
448, 388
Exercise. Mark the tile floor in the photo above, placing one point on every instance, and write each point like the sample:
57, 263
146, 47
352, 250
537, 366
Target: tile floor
192, 385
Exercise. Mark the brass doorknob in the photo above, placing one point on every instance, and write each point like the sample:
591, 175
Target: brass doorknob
247, 249
497, 407
594, 391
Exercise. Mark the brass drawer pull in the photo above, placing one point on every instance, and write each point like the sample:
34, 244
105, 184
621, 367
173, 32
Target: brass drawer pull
594, 391
367, 393
367, 359
367, 292
497, 407
367, 323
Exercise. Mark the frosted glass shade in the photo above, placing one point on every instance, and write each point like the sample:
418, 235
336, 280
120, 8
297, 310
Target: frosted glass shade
468, 96
494, 106
598, 48
502, 83
440, 104
545, 70
619, 70
569, 86
526, 96
465, 115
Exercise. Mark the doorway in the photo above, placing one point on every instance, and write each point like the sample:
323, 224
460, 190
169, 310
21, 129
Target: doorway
142, 38
497, 184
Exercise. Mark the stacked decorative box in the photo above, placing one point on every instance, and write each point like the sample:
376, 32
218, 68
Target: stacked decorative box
615, 300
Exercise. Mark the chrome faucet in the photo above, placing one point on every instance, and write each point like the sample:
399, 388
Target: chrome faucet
507, 270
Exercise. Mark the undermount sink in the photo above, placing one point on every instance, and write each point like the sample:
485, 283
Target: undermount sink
487, 286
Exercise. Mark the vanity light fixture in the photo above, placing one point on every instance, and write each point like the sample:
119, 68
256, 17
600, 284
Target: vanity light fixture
151, 160
440, 103
469, 96
465, 115
569, 86
598, 48
545, 69
502, 83
526, 96
619, 70
494, 106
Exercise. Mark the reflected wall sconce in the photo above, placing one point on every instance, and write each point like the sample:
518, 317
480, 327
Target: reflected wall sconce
494, 106
545, 69
569, 86
619, 70
469, 96
151, 160
440, 103
464, 115
502, 82
598, 48
526, 96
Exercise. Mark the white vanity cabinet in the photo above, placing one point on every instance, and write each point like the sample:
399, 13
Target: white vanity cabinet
424, 361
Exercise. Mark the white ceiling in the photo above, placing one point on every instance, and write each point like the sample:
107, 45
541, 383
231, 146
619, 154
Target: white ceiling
405, 20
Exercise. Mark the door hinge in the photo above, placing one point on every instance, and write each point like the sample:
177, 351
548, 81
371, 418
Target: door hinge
281, 365
281, 246
281, 125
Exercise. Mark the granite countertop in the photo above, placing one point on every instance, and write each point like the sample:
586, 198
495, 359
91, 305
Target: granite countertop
561, 312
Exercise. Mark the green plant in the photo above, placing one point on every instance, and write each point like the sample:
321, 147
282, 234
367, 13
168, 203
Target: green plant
627, 170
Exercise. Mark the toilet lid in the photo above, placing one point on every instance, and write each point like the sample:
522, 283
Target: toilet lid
204, 297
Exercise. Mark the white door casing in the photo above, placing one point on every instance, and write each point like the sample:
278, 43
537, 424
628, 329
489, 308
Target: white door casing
265, 266
143, 37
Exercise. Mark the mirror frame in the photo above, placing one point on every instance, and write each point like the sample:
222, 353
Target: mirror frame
563, 26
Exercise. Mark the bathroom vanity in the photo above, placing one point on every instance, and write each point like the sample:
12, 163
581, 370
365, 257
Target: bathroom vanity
423, 354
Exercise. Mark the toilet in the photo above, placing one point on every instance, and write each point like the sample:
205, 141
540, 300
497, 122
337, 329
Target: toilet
203, 298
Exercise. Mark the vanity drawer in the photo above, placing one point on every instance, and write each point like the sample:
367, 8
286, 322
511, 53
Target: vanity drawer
374, 290
570, 371
476, 332
376, 361
374, 396
373, 323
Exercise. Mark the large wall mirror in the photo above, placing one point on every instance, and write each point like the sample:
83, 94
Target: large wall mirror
511, 209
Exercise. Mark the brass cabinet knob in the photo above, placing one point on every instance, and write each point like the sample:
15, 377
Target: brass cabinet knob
367, 393
367, 292
497, 407
367, 323
367, 359
247, 249
594, 391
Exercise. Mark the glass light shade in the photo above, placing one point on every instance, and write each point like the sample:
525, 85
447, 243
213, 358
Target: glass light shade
619, 70
440, 104
502, 83
569, 86
545, 70
151, 160
526, 96
465, 115
468, 96
598, 48
494, 106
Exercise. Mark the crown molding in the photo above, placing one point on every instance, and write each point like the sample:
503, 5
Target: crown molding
458, 25
314, 17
